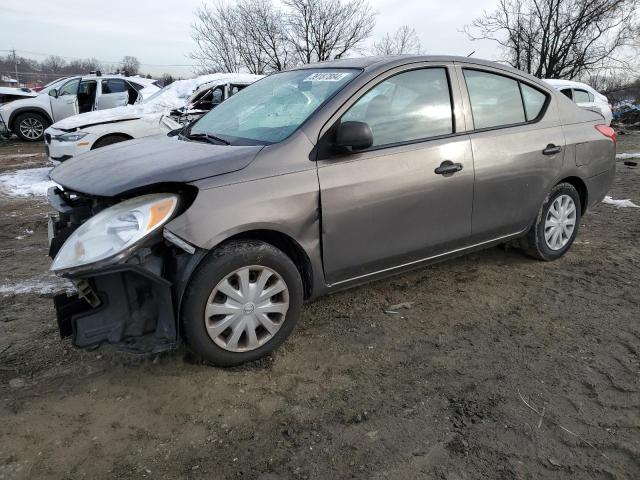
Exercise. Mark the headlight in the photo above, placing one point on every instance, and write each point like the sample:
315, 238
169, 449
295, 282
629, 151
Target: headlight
71, 137
114, 231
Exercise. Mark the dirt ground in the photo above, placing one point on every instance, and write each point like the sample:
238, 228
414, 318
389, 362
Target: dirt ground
500, 367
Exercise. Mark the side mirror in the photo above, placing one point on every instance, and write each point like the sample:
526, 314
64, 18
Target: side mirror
354, 136
53, 93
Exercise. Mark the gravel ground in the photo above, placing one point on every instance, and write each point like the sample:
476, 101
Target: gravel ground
496, 367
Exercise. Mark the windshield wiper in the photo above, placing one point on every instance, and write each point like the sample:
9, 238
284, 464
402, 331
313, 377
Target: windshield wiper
208, 137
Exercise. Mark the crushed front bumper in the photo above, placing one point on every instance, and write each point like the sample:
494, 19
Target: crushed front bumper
132, 305
132, 310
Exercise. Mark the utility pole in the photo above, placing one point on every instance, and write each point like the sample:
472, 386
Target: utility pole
15, 64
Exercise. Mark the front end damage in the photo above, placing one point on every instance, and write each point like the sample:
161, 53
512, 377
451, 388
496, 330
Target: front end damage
130, 302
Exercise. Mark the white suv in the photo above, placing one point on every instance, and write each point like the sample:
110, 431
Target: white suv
28, 118
168, 109
584, 96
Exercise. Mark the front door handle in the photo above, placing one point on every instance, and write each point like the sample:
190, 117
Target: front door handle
552, 149
448, 167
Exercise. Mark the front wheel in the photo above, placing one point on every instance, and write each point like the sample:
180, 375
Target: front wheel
30, 126
556, 225
242, 302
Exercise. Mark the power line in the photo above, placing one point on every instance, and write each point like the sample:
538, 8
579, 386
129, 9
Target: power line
101, 61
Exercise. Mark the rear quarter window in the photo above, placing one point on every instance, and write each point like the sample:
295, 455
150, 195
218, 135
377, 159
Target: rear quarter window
495, 99
500, 101
534, 101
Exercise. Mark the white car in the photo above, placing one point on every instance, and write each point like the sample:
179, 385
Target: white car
584, 96
169, 109
29, 117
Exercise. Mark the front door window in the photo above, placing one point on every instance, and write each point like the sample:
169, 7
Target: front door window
407, 107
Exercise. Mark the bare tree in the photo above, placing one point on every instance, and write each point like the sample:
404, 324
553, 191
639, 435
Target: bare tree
53, 64
130, 65
560, 38
166, 79
608, 81
259, 37
250, 35
263, 27
213, 33
403, 41
84, 65
321, 30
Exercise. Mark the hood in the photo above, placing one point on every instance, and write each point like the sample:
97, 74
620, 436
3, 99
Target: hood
110, 115
131, 165
25, 92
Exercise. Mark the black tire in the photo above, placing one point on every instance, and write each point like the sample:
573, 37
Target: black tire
110, 140
213, 269
27, 125
534, 244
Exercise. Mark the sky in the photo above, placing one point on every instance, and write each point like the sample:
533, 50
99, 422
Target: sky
158, 32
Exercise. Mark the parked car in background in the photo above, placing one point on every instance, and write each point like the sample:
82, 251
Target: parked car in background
168, 109
310, 181
584, 96
28, 118
9, 94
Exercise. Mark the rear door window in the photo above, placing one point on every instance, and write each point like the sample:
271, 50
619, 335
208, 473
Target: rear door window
534, 101
114, 85
495, 99
407, 107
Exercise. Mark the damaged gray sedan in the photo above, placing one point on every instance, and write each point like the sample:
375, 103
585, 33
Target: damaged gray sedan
310, 181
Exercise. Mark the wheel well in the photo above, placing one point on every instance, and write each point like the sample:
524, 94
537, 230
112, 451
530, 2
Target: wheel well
290, 247
581, 187
108, 135
17, 113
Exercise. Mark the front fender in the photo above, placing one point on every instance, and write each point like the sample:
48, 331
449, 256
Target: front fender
20, 110
285, 204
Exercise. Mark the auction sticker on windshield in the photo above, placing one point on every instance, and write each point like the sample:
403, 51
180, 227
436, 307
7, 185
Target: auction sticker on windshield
326, 77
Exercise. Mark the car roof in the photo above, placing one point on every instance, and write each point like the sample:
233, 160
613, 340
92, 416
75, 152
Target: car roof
376, 61
567, 83
145, 81
390, 61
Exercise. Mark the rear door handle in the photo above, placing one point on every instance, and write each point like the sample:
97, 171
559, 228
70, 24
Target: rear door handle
448, 167
552, 149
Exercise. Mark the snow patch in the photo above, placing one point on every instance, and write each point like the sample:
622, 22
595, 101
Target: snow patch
619, 203
47, 285
26, 183
625, 156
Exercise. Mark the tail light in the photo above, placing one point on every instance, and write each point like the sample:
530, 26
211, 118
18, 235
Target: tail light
608, 132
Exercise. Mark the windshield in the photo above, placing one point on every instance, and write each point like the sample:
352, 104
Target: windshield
273, 108
54, 84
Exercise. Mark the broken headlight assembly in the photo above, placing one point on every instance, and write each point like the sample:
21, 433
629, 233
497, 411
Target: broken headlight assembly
114, 232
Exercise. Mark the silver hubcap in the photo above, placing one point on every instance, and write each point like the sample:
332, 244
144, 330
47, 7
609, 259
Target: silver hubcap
31, 128
560, 222
246, 309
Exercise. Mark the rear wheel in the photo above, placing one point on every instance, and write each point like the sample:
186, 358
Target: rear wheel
556, 225
30, 126
241, 303
110, 140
